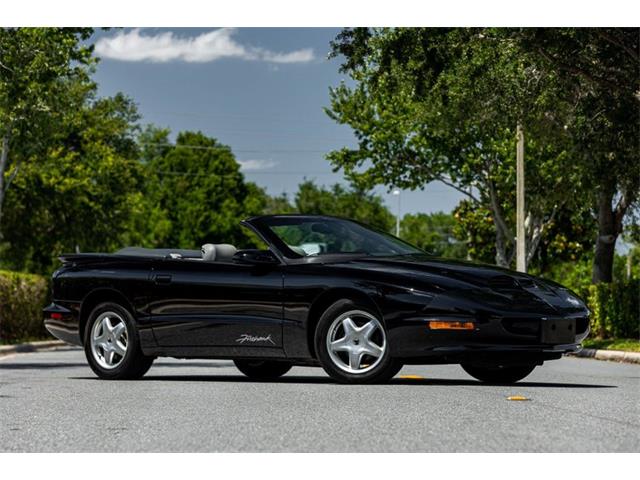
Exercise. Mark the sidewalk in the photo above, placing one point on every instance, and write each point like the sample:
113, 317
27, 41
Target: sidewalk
30, 347
610, 355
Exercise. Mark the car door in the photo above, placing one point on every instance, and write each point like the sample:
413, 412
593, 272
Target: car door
217, 308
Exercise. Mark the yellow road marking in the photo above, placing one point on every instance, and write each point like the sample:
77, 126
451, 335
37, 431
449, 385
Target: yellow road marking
518, 398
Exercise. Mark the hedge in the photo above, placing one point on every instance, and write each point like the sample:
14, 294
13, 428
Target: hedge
616, 309
22, 297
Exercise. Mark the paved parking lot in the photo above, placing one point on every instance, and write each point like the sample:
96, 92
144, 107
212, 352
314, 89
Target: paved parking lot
51, 401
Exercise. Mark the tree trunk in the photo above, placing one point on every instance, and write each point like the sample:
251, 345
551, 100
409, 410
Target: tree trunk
504, 237
4, 157
608, 232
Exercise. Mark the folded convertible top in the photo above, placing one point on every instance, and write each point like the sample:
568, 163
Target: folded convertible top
158, 252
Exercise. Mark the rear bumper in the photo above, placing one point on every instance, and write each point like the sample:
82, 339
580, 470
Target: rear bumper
62, 322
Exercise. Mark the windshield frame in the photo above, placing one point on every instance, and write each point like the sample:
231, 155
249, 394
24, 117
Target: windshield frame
262, 226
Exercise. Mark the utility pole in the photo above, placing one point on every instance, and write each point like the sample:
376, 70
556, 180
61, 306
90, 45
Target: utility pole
396, 192
521, 248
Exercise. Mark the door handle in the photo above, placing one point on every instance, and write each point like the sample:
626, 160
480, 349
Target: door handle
162, 279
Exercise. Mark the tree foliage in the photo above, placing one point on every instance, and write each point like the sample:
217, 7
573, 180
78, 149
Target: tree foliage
198, 192
443, 104
41, 72
434, 233
599, 72
82, 193
336, 200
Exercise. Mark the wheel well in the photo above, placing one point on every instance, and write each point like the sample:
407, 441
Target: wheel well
324, 301
94, 299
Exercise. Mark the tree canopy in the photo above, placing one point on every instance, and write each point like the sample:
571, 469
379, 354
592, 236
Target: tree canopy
443, 104
43, 73
198, 190
336, 200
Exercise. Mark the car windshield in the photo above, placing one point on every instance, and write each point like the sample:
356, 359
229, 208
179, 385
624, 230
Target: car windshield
309, 237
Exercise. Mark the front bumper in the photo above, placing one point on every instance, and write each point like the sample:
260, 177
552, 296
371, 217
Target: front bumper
526, 339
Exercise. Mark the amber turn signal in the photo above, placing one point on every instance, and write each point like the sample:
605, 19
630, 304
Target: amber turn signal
435, 325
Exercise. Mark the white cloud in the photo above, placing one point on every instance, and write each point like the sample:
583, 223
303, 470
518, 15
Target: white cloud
133, 46
249, 165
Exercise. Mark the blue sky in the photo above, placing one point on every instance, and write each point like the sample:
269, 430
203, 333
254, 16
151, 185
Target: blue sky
259, 90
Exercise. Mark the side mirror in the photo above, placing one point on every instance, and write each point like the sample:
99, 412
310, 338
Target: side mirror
255, 257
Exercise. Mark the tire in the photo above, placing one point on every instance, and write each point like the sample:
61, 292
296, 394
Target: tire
112, 345
351, 344
499, 374
263, 369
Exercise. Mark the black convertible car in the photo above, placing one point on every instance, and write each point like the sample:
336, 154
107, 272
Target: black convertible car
327, 291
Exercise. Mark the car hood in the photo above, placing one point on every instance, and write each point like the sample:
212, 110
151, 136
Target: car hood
488, 284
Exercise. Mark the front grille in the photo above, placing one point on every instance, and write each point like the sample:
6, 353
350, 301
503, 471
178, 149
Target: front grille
521, 327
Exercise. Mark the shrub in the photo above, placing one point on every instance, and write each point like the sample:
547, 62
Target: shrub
616, 309
22, 297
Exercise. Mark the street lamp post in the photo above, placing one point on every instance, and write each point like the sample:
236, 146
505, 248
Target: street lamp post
396, 192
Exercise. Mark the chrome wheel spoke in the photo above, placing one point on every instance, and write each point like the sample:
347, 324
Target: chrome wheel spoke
108, 356
368, 329
372, 349
341, 345
119, 348
354, 359
118, 330
349, 327
107, 325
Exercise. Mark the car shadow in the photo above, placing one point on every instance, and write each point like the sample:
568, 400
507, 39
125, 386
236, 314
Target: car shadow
414, 382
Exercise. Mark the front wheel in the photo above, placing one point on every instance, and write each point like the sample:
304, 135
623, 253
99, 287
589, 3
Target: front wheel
498, 374
262, 369
111, 344
351, 344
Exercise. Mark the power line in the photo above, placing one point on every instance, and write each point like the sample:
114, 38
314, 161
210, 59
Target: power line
229, 149
266, 117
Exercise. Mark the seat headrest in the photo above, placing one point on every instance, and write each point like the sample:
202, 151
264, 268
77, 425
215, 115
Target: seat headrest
225, 252
221, 252
209, 252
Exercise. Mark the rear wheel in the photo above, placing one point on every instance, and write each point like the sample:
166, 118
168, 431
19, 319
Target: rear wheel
351, 344
498, 374
111, 344
262, 369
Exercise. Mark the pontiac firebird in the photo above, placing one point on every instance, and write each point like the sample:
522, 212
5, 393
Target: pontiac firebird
326, 291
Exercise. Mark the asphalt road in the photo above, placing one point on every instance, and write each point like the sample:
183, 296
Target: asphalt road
51, 401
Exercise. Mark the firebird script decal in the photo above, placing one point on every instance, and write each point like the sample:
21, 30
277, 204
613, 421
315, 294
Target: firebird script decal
245, 337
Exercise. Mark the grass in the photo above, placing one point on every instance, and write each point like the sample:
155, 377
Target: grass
624, 344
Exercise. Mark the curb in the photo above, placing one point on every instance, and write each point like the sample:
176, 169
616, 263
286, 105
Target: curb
611, 355
30, 347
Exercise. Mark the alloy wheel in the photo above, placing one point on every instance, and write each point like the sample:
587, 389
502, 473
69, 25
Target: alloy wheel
356, 342
109, 340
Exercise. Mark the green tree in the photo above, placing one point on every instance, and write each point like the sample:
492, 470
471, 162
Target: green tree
41, 70
599, 70
433, 233
339, 201
198, 190
569, 238
443, 104
83, 192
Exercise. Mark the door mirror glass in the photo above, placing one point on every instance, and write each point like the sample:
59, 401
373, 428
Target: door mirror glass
255, 257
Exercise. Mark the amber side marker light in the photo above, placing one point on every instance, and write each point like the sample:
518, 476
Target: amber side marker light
436, 325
